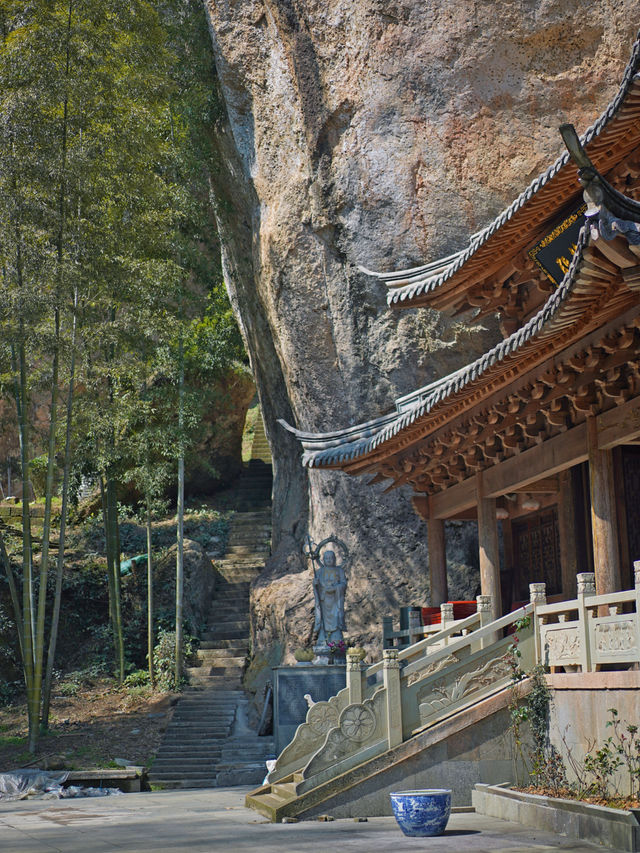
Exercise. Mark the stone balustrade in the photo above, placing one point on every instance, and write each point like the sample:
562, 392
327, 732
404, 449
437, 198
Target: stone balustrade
591, 631
463, 663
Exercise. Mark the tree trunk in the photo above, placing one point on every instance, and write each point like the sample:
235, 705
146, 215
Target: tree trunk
114, 544
150, 643
13, 591
110, 567
28, 609
55, 617
180, 530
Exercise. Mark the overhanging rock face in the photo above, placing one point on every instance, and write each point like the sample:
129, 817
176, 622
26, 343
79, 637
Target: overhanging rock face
369, 134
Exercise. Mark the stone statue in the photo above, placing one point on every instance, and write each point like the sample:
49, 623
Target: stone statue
329, 585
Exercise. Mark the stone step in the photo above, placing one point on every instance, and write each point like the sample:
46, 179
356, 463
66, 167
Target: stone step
213, 715
174, 745
241, 776
255, 527
171, 784
173, 774
229, 656
186, 729
231, 599
228, 622
230, 644
227, 625
213, 696
210, 681
221, 616
184, 766
220, 711
245, 550
229, 671
228, 631
224, 707
232, 666
224, 613
175, 752
246, 750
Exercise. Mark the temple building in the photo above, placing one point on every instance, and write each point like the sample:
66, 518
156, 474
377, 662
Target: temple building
541, 434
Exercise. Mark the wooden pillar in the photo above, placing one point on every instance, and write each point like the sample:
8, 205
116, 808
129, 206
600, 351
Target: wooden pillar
437, 550
437, 561
606, 561
567, 535
488, 547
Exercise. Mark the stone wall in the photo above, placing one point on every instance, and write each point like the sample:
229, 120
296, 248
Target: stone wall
380, 134
580, 710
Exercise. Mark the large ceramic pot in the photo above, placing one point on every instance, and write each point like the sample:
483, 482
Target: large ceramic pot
421, 813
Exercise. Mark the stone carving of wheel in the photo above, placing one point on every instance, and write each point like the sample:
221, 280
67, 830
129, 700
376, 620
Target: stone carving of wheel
357, 722
322, 717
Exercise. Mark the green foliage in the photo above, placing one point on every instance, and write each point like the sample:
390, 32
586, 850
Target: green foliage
67, 688
109, 259
164, 655
137, 678
38, 473
9, 691
621, 749
10, 740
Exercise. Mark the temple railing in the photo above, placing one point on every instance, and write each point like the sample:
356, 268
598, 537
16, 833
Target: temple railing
414, 688
384, 703
416, 631
592, 630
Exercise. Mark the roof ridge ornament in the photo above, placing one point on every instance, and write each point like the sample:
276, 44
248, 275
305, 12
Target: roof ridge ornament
599, 194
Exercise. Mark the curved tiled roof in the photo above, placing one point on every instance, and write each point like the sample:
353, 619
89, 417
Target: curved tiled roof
417, 283
335, 449
615, 215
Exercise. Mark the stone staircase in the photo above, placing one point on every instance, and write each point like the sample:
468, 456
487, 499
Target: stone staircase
209, 742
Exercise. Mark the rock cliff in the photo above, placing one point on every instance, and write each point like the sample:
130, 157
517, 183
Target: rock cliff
382, 134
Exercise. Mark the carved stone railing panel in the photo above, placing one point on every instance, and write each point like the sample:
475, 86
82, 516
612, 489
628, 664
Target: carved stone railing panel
615, 639
561, 644
462, 682
310, 735
573, 635
360, 734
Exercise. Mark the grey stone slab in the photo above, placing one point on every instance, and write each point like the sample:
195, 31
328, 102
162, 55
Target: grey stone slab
291, 683
216, 820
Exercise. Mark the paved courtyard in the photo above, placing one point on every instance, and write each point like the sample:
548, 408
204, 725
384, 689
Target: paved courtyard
216, 820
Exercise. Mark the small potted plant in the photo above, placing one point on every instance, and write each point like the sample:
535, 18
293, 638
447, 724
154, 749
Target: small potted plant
303, 656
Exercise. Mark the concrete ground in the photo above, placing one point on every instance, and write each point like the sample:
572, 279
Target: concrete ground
216, 820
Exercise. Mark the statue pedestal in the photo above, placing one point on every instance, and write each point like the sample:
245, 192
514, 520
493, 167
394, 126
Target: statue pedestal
290, 683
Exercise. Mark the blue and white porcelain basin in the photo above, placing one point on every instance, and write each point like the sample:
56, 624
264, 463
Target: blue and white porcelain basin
423, 812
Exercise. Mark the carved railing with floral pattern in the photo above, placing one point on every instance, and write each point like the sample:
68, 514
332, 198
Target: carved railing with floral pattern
385, 703
414, 688
591, 630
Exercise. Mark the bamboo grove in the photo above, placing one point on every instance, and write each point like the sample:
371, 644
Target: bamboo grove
111, 299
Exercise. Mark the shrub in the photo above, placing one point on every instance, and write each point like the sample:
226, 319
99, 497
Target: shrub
137, 678
164, 655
